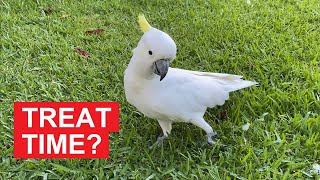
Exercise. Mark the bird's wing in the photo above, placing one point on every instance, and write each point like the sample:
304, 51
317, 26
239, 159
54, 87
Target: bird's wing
213, 75
206, 89
230, 82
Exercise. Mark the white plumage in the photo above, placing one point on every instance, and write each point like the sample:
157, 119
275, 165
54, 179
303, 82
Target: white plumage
182, 95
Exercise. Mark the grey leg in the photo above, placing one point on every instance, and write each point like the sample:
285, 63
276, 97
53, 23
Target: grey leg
201, 123
166, 127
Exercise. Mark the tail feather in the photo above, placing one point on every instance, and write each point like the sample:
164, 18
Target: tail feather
238, 84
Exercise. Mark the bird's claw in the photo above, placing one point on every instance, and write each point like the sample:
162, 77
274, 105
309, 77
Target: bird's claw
159, 140
212, 142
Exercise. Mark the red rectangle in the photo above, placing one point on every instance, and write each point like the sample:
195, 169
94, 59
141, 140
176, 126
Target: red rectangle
64, 129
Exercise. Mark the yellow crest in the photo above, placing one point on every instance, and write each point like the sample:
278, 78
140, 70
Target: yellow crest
143, 23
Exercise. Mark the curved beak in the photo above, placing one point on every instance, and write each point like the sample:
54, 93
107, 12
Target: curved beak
161, 67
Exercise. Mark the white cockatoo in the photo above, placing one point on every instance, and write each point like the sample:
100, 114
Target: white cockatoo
177, 95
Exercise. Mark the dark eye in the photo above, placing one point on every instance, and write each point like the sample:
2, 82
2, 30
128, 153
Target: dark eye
150, 52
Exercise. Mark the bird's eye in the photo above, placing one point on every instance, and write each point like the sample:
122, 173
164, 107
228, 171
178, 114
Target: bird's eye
150, 52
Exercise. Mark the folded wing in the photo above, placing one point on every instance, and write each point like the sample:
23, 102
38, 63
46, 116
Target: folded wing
208, 89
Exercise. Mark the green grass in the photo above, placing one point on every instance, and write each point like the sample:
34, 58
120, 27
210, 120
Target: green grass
274, 42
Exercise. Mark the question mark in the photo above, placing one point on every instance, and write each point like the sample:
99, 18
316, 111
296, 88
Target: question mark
94, 145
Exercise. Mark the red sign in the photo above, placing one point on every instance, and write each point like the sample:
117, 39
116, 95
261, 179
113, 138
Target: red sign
64, 129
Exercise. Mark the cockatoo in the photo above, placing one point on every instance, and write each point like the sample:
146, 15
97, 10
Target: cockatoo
177, 95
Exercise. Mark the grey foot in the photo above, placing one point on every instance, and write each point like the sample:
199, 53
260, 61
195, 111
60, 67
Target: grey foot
212, 142
160, 139
209, 136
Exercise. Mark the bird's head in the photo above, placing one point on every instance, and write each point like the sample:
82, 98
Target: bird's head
156, 48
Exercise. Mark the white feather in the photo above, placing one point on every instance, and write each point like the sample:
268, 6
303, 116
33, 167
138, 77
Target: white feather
182, 94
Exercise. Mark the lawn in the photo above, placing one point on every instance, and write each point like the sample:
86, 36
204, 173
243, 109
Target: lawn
274, 42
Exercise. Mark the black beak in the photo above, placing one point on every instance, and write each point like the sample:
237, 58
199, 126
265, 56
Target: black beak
161, 67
